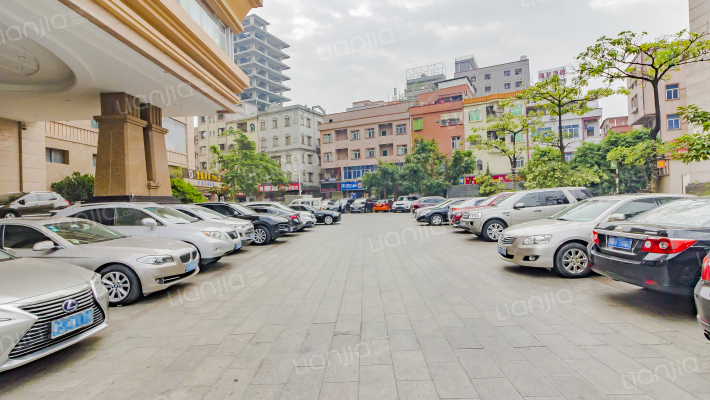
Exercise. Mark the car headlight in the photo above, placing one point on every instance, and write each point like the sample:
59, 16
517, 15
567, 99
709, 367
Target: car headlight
537, 239
215, 235
100, 291
472, 215
156, 260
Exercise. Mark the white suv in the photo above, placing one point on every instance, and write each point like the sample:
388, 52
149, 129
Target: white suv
404, 203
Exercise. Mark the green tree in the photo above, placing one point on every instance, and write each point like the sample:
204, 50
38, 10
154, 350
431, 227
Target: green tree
383, 181
462, 163
557, 97
243, 168
545, 170
425, 169
185, 192
635, 57
487, 186
692, 147
75, 187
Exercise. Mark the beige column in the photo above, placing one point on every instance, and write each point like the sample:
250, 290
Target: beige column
121, 158
156, 156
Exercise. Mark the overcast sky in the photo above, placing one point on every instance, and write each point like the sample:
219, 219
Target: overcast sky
344, 50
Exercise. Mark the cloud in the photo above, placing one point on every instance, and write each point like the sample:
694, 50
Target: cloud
363, 10
614, 5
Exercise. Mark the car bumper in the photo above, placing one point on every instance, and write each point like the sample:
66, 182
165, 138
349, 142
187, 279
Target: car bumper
471, 225
537, 256
702, 303
215, 248
158, 277
424, 218
656, 277
402, 208
309, 223
246, 236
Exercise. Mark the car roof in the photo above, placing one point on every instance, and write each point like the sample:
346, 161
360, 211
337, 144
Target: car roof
41, 220
118, 204
638, 196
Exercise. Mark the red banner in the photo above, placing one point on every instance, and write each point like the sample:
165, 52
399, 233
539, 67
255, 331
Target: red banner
473, 180
276, 188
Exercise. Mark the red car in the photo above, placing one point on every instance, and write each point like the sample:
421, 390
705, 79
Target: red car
457, 212
426, 202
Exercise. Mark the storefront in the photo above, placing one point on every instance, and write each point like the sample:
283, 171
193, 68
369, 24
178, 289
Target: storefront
209, 184
277, 192
339, 190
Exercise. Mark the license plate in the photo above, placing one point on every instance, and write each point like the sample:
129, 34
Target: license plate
290, 229
71, 323
252, 236
191, 266
238, 246
619, 242
502, 251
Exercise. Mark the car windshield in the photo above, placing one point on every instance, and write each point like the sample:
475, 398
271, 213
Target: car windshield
172, 216
10, 197
693, 213
585, 211
403, 198
470, 202
495, 202
83, 232
443, 203
206, 213
5, 257
242, 209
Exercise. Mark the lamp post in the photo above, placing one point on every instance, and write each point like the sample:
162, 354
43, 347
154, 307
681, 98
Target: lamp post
297, 170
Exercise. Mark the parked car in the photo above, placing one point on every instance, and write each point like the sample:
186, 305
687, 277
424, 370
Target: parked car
520, 207
330, 205
404, 203
150, 220
129, 267
245, 229
457, 212
470, 202
18, 204
46, 306
661, 249
358, 206
561, 241
322, 216
267, 227
311, 202
343, 205
306, 218
437, 214
426, 202
294, 220
702, 297
383, 205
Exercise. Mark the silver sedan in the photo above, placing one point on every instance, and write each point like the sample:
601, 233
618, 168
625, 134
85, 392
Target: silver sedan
46, 306
245, 229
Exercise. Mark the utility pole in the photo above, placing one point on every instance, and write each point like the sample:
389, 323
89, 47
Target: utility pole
617, 176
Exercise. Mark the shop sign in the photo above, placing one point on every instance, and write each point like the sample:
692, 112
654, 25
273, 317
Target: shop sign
547, 74
351, 186
277, 188
330, 187
473, 180
201, 175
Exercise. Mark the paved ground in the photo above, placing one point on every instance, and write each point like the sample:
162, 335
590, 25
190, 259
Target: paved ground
378, 307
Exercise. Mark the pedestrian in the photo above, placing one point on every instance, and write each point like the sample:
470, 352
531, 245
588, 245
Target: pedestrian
368, 205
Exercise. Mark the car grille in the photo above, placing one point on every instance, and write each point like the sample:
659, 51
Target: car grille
506, 240
187, 257
38, 336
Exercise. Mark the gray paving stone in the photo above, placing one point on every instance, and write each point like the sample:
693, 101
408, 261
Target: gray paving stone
403, 339
526, 379
410, 366
496, 389
275, 369
417, 390
451, 381
377, 382
339, 391
437, 350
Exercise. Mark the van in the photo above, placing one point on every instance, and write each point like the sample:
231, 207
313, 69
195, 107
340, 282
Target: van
315, 203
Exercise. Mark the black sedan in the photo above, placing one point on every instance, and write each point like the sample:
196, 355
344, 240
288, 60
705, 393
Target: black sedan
439, 213
266, 227
662, 249
702, 297
322, 216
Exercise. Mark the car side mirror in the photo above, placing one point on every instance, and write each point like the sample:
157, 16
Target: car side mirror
616, 217
149, 222
10, 251
22, 201
518, 206
236, 215
46, 245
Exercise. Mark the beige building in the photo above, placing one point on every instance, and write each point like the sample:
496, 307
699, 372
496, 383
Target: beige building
210, 131
131, 66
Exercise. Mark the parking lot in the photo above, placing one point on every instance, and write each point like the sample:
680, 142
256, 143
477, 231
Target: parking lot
381, 307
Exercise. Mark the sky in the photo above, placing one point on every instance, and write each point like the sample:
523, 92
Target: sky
344, 51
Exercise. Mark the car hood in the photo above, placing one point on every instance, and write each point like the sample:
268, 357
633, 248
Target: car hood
30, 277
551, 226
143, 245
208, 225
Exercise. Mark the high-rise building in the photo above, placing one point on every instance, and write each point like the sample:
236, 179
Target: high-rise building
502, 78
260, 55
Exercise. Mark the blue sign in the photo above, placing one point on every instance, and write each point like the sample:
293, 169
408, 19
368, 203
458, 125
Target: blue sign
461, 181
351, 186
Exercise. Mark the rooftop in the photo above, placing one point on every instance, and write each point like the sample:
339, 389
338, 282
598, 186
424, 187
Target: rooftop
497, 96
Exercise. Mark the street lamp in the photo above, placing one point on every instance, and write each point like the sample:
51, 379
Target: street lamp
297, 170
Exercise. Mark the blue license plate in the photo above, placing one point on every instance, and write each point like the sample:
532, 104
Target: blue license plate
71, 323
502, 251
191, 266
238, 246
619, 242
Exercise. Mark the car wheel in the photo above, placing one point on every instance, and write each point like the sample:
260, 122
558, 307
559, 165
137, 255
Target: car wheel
122, 284
10, 214
328, 220
493, 229
262, 235
437, 220
572, 261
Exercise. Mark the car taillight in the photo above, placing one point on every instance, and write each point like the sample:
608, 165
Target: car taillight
706, 269
66, 201
293, 217
595, 237
660, 245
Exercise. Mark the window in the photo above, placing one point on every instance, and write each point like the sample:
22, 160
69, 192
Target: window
506, 72
355, 154
309, 140
103, 216
636, 207
94, 124
357, 172
303, 139
274, 123
487, 77
310, 158
474, 116
275, 141
369, 133
673, 122
287, 121
456, 142
672, 92
401, 129
518, 71
385, 153
308, 122
94, 160
22, 237
488, 89
310, 174
517, 109
635, 104
569, 156
202, 120
288, 159
590, 131
518, 84
301, 120
130, 217
289, 176
581, 194
327, 138
288, 139
492, 135
418, 124
383, 133
203, 164
507, 85
277, 159
530, 200
220, 130
519, 163
56, 156
402, 150
328, 156
354, 135
262, 125
263, 143
370, 153
222, 147
303, 158
203, 134
555, 198
517, 138
252, 127
449, 119
571, 130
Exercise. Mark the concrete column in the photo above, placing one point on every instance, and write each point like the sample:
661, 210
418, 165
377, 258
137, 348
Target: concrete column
156, 156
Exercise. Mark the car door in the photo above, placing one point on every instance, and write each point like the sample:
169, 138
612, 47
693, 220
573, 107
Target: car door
129, 221
45, 202
29, 205
22, 238
554, 201
530, 209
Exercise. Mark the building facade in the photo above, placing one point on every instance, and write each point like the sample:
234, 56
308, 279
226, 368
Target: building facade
261, 56
423, 80
353, 142
615, 124
210, 129
503, 78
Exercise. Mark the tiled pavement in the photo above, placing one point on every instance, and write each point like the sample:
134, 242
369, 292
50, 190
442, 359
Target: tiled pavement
378, 307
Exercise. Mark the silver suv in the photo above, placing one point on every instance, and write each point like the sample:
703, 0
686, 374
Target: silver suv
520, 207
212, 240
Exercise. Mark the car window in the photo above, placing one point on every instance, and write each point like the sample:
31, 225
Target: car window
555, 198
83, 232
130, 217
581, 194
10, 197
220, 208
686, 212
31, 198
22, 237
172, 216
191, 213
103, 216
47, 197
636, 207
242, 210
585, 211
530, 200
206, 213
666, 200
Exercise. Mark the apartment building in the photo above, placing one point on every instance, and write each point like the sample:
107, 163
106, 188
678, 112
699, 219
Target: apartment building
423, 80
290, 136
615, 124
210, 129
578, 128
439, 115
502, 78
355, 140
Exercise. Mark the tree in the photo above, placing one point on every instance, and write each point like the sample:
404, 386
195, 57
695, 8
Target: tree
462, 163
385, 179
692, 147
638, 156
557, 98
243, 168
185, 192
633, 56
75, 187
545, 170
487, 186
